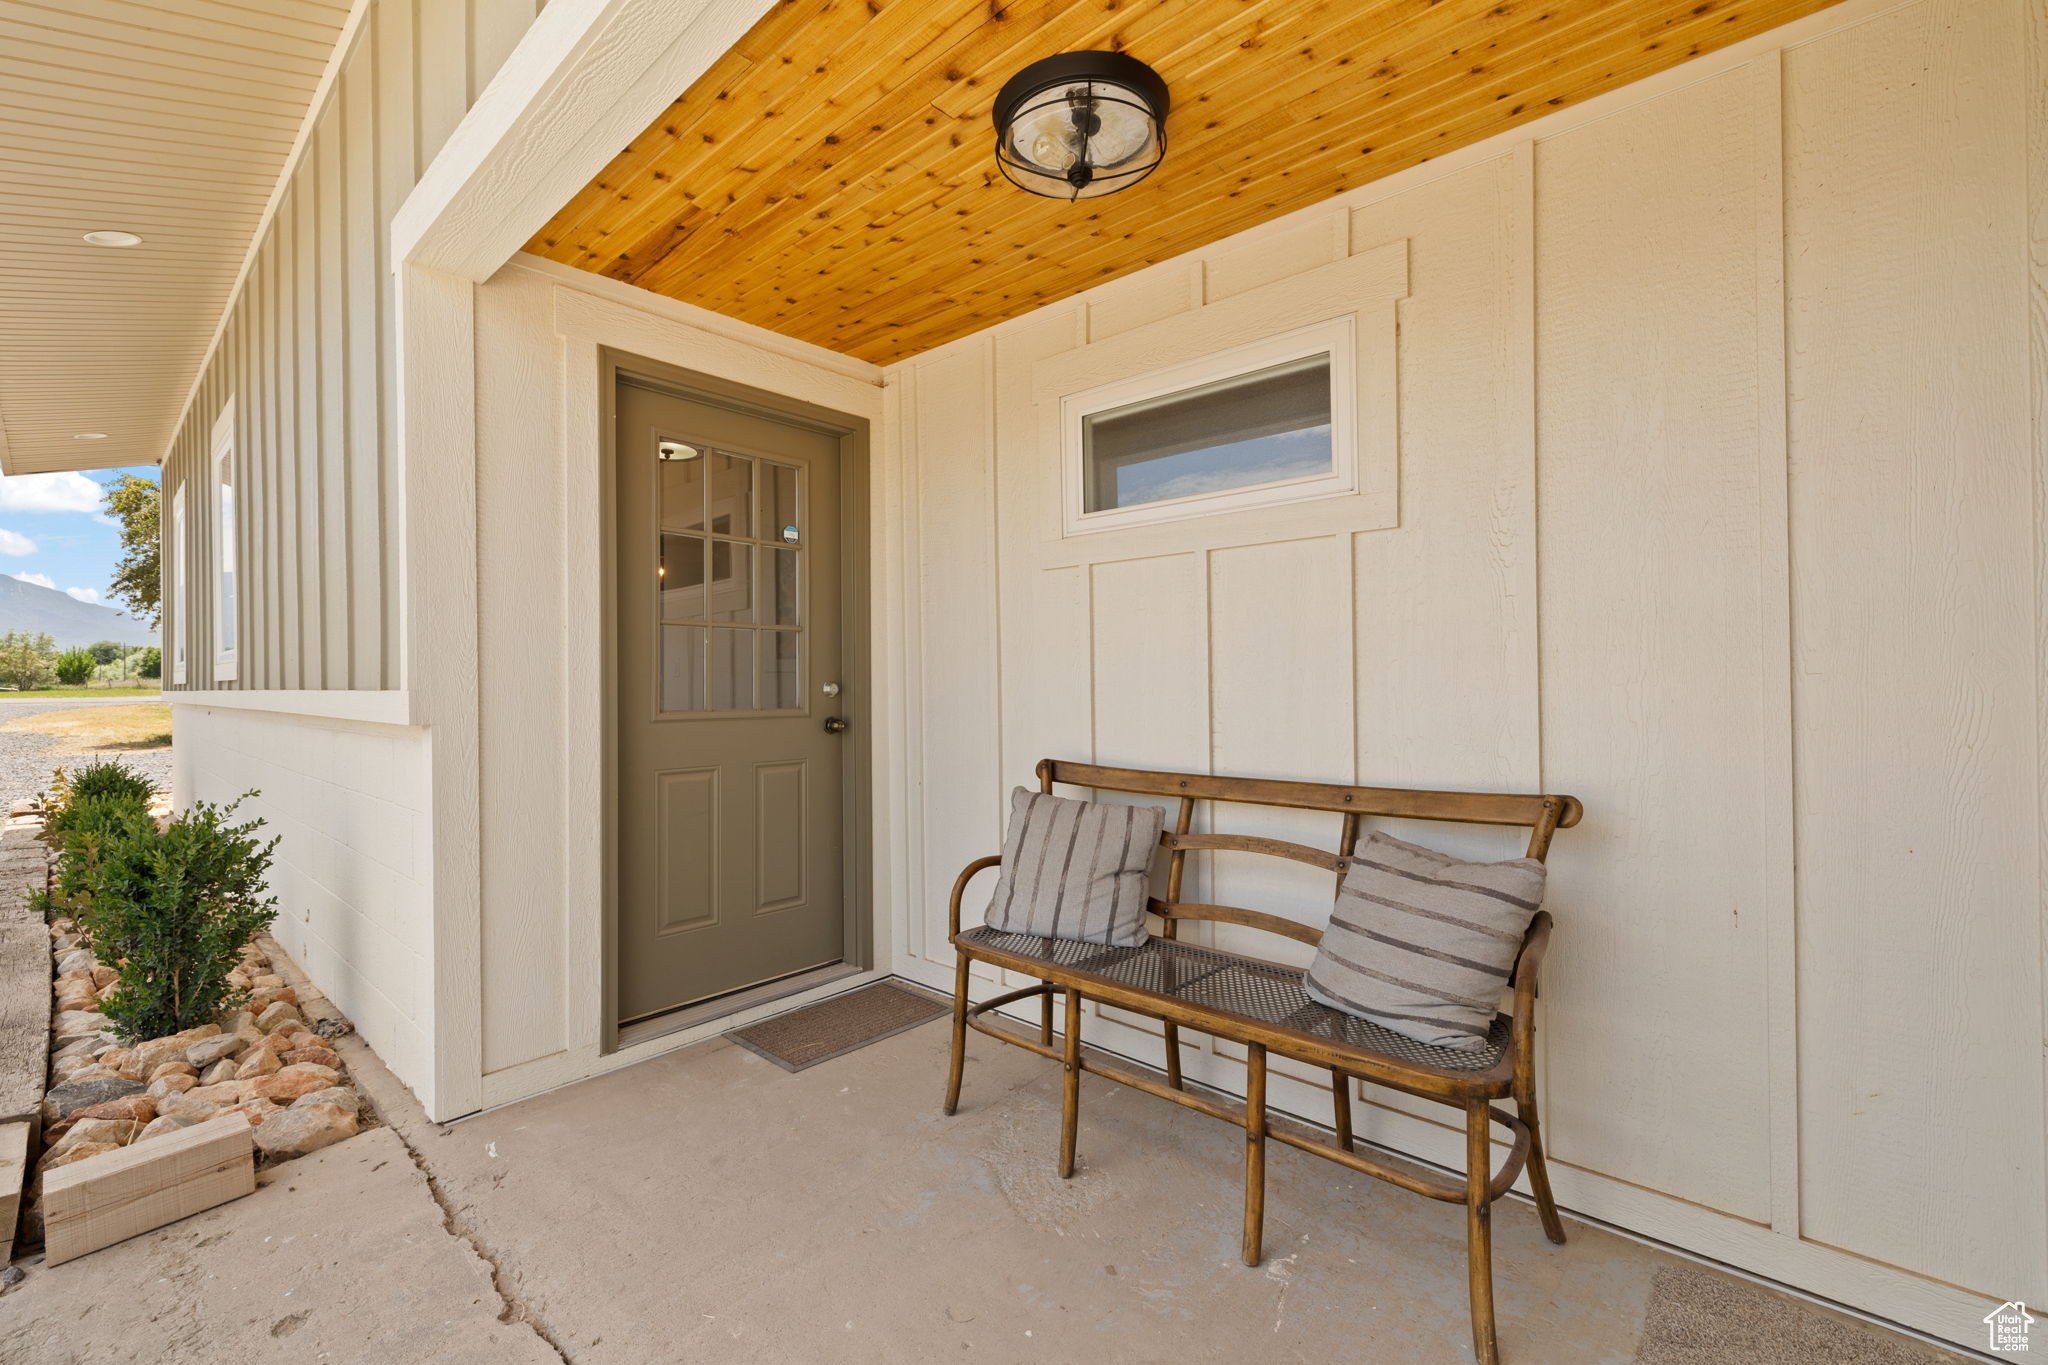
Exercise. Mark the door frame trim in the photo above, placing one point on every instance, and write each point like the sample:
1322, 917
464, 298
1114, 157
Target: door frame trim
856, 576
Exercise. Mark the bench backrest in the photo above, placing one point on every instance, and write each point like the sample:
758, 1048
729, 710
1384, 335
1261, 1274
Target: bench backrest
1541, 815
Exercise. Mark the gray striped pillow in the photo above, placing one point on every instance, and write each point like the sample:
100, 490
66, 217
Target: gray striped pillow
1075, 869
1422, 944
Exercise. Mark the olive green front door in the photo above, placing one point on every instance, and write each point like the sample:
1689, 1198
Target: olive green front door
729, 762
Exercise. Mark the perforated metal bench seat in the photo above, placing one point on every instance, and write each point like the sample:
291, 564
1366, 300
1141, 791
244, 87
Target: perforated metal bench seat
1234, 987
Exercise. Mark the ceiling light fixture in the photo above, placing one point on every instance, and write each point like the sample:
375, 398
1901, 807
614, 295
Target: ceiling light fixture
112, 237
1081, 125
90, 436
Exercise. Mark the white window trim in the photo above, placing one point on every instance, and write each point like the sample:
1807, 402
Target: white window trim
1337, 338
226, 659
174, 564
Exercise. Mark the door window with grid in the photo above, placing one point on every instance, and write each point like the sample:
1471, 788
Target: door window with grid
730, 572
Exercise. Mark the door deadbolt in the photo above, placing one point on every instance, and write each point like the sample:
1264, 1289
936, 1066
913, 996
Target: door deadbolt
837, 725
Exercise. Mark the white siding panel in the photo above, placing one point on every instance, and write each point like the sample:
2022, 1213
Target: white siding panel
1446, 632
349, 804
1280, 698
1148, 624
1915, 532
519, 510
954, 475
319, 509
1653, 652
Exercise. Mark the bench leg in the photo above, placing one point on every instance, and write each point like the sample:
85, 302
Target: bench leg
959, 1063
1070, 1105
1045, 1015
1539, 1173
1340, 1099
1479, 1233
1254, 1152
1173, 1056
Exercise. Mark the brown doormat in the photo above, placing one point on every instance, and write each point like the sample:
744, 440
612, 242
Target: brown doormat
1699, 1317
835, 1027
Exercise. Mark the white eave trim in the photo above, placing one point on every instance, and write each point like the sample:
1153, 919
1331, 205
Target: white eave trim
585, 80
373, 708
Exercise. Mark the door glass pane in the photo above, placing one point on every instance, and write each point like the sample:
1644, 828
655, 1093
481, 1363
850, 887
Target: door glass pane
732, 670
732, 582
732, 494
779, 586
681, 576
778, 504
781, 688
1269, 426
682, 668
682, 487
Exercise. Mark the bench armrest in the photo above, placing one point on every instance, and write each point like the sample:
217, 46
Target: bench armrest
1528, 965
967, 874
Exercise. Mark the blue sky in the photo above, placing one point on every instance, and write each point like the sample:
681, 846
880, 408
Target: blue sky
53, 532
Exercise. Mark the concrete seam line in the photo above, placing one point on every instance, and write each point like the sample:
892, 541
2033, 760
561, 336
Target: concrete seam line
515, 1310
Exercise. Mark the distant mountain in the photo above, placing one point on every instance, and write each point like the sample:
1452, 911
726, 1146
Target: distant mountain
70, 622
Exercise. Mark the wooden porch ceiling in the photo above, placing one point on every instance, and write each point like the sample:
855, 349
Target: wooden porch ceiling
833, 176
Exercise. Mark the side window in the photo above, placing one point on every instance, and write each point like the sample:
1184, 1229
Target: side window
174, 567
225, 646
1265, 423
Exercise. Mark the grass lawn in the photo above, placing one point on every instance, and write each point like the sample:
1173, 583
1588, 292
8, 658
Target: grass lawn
56, 693
102, 727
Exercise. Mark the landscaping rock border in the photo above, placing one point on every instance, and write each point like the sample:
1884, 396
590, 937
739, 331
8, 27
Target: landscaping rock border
266, 1060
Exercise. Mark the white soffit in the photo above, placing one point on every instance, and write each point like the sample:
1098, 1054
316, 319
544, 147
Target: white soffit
169, 119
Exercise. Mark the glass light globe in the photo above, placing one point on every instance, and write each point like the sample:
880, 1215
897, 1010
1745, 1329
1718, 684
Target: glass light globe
1079, 125
1123, 132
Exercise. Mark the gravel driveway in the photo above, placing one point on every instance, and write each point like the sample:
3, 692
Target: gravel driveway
26, 760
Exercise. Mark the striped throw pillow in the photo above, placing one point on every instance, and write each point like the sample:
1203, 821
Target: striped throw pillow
1422, 944
1075, 869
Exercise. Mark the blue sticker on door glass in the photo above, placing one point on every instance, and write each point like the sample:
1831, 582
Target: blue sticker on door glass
789, 535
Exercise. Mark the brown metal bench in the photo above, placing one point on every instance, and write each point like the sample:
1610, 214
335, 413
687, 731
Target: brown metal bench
1263, 1006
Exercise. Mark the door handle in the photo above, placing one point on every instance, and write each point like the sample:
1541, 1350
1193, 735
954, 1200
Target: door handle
837, 725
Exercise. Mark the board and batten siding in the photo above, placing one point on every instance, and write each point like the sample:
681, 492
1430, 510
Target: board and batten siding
308, 355
1721, 453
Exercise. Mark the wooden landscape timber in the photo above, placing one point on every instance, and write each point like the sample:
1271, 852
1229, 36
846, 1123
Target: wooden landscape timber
117, 1195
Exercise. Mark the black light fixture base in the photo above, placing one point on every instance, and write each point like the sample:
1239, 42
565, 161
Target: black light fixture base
1069, 68
1090, 85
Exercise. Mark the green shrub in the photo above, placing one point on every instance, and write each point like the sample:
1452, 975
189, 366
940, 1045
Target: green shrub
25, 660
106, 777
171, 909
81, 835
151, 663
75, 666
81, 807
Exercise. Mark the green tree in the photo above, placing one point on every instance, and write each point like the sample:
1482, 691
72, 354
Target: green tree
150, 663
135, 503
74, 667
106, 651
27, 660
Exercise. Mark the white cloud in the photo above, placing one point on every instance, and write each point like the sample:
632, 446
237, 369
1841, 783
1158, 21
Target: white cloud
83, 594
66, 492
41, 580
15, 543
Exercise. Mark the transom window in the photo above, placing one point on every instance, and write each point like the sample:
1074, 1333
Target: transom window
730, 571
1264, 423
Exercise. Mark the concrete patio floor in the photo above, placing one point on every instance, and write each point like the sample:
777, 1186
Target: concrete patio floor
707, 1206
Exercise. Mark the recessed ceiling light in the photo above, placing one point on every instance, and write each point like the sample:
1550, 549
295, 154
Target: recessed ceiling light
90, 436
110, 237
